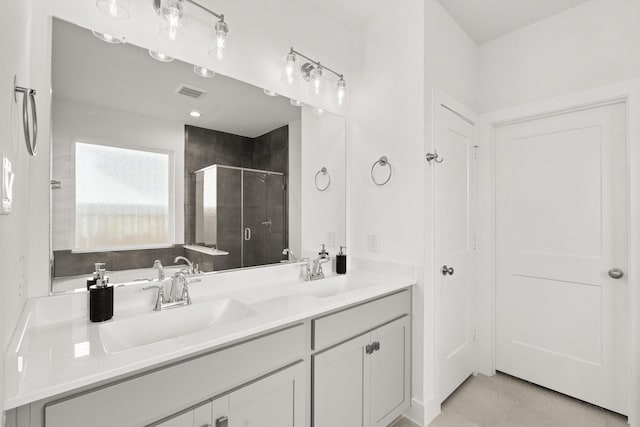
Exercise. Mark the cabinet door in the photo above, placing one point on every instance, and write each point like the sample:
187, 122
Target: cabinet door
390, 372
339, 376
199, 417
275, 401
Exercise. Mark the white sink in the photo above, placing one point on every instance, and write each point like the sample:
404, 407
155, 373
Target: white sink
329, 287
149, 328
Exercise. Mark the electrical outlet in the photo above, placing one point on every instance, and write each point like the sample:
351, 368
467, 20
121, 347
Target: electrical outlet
373, 243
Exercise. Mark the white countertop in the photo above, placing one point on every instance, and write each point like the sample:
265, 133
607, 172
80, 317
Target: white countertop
56, 349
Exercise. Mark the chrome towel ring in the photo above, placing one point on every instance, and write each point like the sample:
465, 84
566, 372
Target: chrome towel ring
383, 162
322, 172
30, 131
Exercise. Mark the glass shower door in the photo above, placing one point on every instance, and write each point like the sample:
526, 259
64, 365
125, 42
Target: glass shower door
263, 218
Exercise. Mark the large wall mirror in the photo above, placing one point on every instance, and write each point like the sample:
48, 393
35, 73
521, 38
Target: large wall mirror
152, 160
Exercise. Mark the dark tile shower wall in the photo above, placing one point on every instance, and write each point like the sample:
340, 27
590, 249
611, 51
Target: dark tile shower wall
205, 147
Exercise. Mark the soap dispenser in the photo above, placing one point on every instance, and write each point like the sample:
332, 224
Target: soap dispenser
94, 278
101, 297
341, 261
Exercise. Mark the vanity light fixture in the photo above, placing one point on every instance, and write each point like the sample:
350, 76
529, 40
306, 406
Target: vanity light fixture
172, 15
117, 9
195, 113
270, 92
108, 38
159, 56
203, 72
313, 72
295, 102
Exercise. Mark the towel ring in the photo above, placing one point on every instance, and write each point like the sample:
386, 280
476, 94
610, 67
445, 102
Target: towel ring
30, 132
383, 161
322, 171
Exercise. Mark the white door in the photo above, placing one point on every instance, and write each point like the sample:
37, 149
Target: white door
455, 141
340, 378
389, 370
561, 319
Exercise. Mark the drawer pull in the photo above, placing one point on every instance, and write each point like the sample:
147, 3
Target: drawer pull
222, 422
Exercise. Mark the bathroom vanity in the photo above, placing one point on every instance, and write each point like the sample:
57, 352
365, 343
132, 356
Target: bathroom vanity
256, 348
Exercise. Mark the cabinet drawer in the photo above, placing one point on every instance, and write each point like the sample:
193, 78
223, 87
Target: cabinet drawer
158, 394
337, 327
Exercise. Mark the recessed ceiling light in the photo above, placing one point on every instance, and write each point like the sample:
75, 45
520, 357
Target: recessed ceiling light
160, 56
270, 92
318, 111
107, 37
203, 72
295, 102
195, 114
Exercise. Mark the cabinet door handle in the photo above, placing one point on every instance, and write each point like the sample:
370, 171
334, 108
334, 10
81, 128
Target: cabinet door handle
222, 422
376, 346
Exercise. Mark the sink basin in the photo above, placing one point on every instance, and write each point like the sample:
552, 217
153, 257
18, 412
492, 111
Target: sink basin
149, 328
326, 288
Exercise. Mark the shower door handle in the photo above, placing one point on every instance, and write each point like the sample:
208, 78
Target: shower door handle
247, 233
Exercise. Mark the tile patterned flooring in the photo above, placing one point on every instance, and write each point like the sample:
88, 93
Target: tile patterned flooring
505, 401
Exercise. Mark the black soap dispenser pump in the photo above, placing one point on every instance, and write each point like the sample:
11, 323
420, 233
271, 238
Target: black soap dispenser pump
341, 261
101, 297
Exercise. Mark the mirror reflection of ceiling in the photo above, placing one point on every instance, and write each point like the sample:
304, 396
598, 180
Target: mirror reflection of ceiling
124, 77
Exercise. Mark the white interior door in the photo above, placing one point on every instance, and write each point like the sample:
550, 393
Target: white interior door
561, 203
455, 248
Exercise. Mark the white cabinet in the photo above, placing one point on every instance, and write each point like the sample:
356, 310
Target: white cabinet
276, 400
365, 381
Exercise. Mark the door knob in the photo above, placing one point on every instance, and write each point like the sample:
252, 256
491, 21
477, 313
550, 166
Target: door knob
616, 273
447, 270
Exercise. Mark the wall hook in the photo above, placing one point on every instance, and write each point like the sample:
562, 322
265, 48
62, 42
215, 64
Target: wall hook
434, 157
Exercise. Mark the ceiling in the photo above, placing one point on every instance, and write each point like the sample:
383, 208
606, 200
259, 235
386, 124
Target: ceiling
485, 20
126, 78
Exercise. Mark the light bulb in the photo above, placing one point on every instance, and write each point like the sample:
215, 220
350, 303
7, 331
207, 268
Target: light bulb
220, 43
289, 74
316, 81
341, 91
195, 113
117, 9
107, 37
159, 56
203, 72
171, 13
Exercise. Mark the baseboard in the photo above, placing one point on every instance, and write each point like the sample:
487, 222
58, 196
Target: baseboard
415, 412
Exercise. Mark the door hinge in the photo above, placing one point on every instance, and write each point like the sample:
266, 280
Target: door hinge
475, 152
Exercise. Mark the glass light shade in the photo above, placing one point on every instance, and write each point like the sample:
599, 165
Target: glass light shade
117, 9
107, 37
295, 102
220, 41
341, 92
316, 82
159, 56
171, 27
290, 70
203, 72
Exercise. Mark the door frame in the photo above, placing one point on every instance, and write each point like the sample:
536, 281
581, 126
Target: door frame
443, 100
627, 92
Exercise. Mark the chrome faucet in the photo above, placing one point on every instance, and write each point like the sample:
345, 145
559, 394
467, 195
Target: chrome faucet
314, 271
157, 265
180, 278
193, 268
290, 255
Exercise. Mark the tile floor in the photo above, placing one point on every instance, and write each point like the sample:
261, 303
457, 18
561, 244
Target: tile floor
505, 401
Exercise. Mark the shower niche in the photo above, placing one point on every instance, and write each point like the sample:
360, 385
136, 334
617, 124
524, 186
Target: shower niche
243, 212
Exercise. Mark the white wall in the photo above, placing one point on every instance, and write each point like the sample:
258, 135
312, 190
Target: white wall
295, 188
14, 51
73, 120
323, 212
591, 45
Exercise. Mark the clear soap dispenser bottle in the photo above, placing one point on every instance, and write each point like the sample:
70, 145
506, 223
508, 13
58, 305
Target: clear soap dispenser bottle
101, 297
